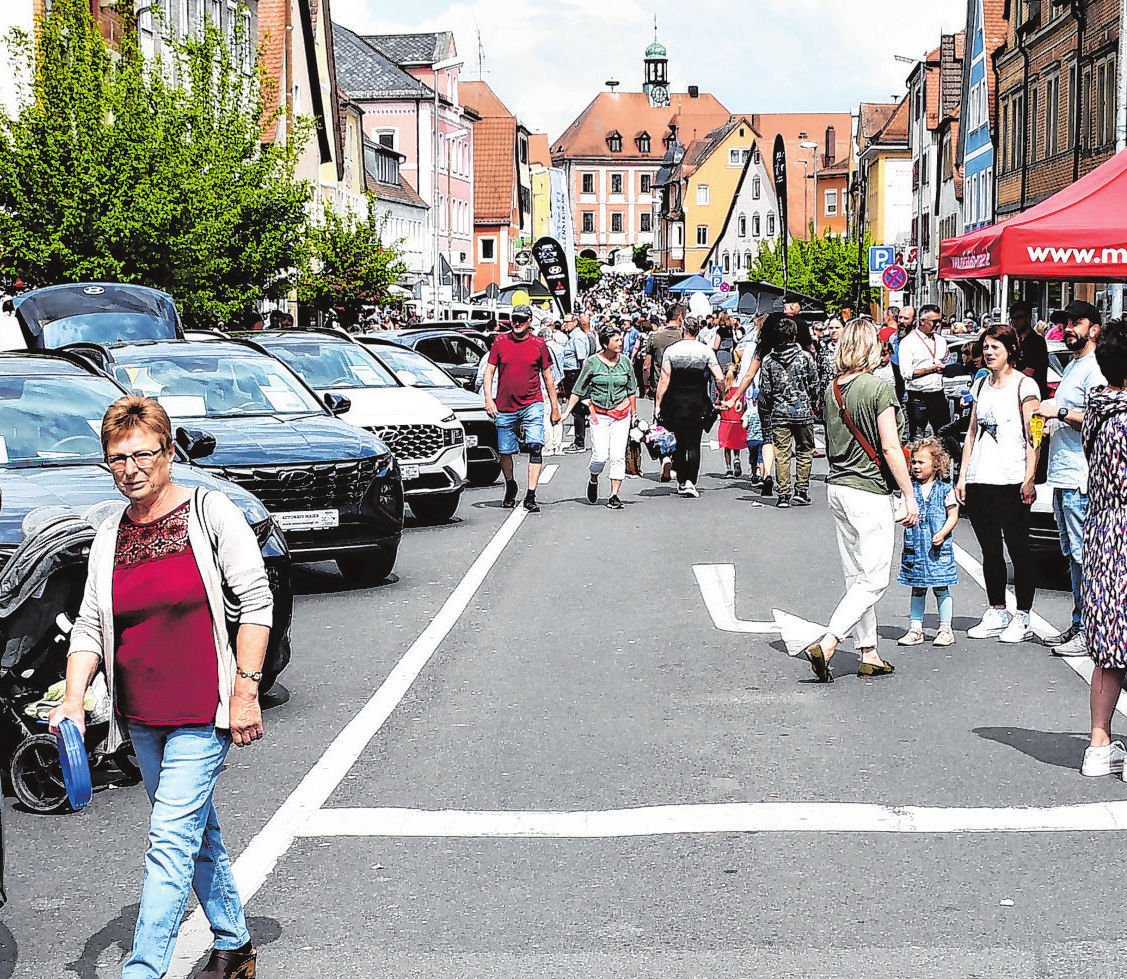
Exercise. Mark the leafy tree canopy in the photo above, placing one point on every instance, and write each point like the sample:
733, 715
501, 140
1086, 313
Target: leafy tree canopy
641, 257
588, 271
825, 268
351, 267
153, 171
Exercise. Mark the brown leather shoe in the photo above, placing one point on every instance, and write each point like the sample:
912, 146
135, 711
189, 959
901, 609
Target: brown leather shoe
231, 963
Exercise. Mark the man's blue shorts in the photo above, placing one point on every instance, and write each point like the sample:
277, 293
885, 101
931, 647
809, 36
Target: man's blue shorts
520, 428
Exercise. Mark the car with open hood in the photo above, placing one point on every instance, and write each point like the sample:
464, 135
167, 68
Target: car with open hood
333, 488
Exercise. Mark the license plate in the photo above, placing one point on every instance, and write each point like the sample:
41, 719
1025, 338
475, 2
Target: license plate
308, 519
471, 441
409, 472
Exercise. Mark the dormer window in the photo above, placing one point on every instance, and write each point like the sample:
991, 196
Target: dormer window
614, 141
643, 142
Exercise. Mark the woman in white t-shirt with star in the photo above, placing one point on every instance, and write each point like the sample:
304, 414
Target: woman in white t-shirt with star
996, 484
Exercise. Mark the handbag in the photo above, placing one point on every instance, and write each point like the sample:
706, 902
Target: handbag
865, 444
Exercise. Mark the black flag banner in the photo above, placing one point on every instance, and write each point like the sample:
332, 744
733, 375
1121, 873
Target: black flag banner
552, 262
779, 168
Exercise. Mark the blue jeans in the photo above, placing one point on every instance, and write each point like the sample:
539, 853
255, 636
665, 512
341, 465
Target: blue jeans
1070, 507
180, 766
524, 427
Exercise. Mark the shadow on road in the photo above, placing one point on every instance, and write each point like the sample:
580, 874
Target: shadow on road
1048, 747
9, 952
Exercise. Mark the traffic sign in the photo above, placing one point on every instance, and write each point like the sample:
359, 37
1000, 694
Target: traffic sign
717, 276
881, 257
724, 287
894, 278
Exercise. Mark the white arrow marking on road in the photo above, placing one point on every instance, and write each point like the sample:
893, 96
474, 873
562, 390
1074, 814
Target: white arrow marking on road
718, 589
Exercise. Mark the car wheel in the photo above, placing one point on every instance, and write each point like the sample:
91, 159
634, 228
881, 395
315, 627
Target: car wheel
484, 474
368, 569
435, 509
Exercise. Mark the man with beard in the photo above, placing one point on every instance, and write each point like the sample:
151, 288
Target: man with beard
1068, 466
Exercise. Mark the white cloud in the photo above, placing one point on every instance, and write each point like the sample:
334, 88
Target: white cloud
547, 61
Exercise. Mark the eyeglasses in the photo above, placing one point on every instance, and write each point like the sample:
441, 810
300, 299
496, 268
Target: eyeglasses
143, 459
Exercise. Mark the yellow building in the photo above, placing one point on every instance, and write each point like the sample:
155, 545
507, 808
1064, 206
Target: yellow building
884, 167
709, 174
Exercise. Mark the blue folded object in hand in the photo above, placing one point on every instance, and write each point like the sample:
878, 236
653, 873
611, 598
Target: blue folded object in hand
76, 766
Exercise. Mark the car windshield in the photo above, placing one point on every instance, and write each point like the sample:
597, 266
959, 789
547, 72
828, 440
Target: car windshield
220, 385
106, 328
413, 368
53, 420
333, 365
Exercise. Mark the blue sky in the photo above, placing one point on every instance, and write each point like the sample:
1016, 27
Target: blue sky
547, 60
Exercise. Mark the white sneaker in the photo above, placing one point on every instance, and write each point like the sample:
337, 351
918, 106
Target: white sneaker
680, 489
1106, 760
1018, 629
1076, 646
913, 637
993, 623
688, 489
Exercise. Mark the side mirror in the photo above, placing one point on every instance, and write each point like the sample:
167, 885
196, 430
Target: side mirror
337, 404
196, 444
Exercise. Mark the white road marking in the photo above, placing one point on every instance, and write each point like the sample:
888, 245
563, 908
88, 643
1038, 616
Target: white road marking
740, 817
262, 854
1081, 665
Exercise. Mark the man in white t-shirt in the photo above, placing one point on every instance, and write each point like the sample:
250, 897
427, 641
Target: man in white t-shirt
923, 355
1068, 467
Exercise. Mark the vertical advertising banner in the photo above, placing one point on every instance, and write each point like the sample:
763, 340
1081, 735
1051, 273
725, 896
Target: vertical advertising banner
552, 263
779, 170
561, 225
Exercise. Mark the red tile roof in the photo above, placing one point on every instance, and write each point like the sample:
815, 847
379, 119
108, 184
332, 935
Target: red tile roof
629, 113
494, 163
482, 99
538, 150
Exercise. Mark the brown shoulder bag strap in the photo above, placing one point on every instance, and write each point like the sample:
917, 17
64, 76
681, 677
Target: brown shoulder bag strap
851, 425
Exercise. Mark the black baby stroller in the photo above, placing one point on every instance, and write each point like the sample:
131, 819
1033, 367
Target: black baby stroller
40, 591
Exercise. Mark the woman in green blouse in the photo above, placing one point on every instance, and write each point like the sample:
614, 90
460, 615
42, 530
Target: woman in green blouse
608, 380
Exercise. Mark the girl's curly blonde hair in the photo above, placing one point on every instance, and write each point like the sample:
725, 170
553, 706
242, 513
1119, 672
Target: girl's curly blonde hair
939, 455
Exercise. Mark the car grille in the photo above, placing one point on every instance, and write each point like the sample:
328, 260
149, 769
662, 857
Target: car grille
411, 441
315, 486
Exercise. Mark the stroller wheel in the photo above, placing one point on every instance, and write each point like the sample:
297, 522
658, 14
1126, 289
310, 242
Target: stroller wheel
37, 774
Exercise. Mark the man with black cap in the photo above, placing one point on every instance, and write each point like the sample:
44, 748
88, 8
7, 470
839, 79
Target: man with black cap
522, 363
1032, 351
1068, 467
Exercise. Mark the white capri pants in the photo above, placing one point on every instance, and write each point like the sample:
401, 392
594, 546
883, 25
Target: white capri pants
865, 539
608, 444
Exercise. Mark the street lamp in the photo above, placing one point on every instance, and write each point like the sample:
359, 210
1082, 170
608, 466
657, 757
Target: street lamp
809, 144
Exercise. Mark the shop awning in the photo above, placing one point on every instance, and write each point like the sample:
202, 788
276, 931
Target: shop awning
1078, 233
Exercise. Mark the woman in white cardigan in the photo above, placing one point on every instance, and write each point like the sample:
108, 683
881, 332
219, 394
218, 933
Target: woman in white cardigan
153, 616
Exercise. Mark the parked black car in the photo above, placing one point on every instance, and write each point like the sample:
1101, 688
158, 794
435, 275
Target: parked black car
458, 353
418, 370
95, 312
335, 490
51, 409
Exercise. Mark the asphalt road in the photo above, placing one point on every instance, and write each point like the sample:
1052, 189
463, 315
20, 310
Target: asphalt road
585, 676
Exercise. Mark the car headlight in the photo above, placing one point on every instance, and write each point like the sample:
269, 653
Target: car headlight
449, 418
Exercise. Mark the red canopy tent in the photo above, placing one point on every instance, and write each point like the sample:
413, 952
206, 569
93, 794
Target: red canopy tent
1079, 233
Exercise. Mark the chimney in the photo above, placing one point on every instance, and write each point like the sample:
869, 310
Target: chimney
831, 146
694, 91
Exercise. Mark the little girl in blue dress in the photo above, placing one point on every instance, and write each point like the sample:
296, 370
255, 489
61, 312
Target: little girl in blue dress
929, 557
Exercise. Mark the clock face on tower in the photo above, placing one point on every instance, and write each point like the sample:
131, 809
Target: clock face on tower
659, 95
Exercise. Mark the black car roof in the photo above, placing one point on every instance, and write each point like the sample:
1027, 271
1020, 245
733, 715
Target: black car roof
15, 363
40, 306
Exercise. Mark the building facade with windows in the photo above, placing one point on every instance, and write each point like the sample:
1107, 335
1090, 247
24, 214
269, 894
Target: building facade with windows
392, 78
612, 151
750, 219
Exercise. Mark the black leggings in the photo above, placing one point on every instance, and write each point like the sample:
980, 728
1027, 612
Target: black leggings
686, 457
997, 512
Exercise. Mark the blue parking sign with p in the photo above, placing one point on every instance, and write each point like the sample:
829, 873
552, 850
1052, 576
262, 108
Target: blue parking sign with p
881, 257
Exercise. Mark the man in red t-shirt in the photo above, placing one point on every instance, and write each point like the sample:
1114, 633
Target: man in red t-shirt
521, 362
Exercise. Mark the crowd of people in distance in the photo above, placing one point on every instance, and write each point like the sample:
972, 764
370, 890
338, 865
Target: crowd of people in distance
900, 446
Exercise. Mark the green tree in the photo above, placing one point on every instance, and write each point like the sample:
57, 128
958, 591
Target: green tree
825, 268
350, 266
641, 257
588, 271
122, 168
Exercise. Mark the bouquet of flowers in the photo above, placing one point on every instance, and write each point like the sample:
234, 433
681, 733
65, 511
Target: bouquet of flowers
639, 431
660, 442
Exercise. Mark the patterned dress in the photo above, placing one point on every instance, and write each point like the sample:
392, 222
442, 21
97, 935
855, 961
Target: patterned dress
1104, 589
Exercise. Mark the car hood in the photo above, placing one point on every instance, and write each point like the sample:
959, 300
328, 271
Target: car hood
257, 440
389, 406
77, 488
458, 399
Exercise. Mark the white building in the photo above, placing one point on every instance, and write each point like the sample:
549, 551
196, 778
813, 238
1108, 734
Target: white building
750, 220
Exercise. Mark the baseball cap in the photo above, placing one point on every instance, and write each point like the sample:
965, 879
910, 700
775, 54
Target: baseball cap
521, 313
1058, 316
1080, 310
